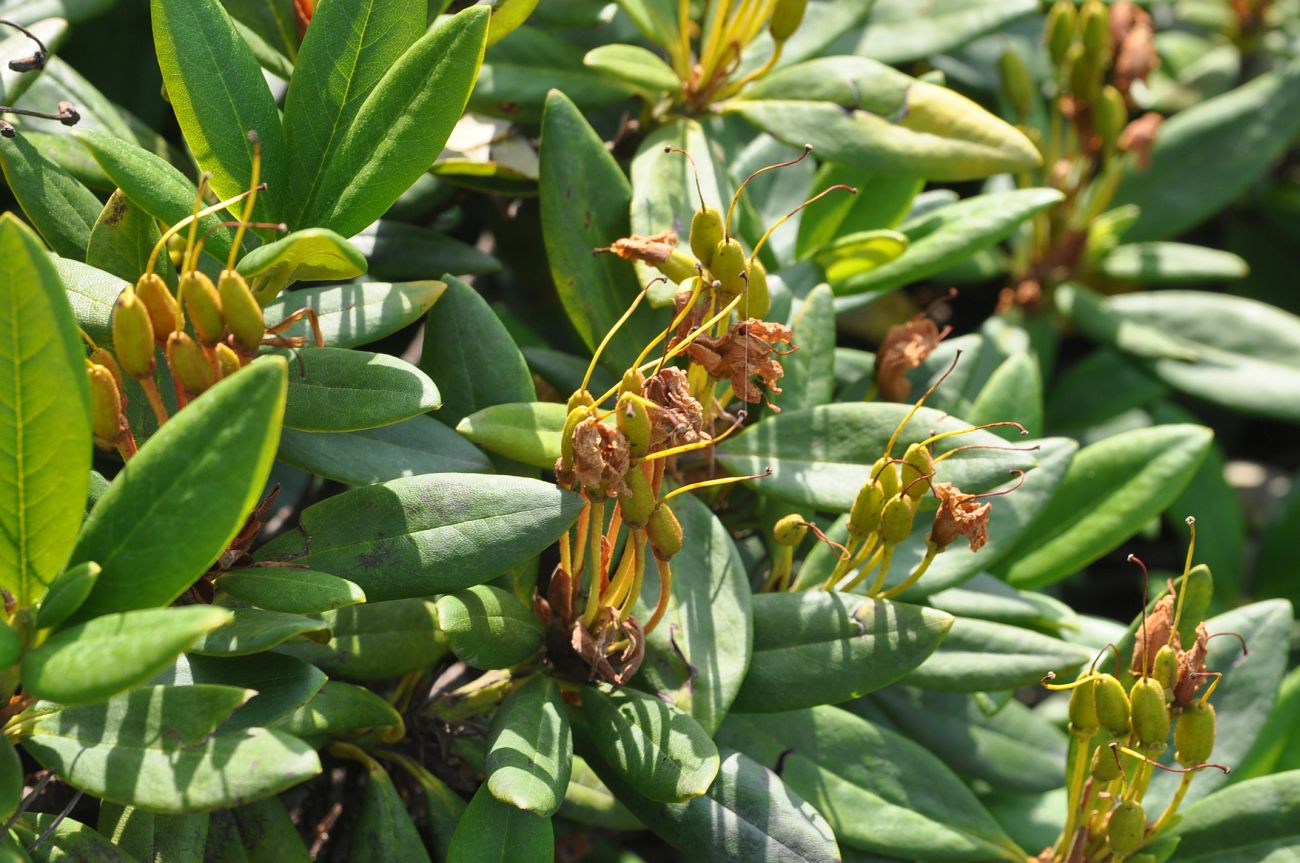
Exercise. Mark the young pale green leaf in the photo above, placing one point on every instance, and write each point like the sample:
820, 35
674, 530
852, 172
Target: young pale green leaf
530, 748
67, 839
382, 639
217, 91
697, 656
91, 292
424, 535
45, 422
336, 390
198, 477
633, 65
283, 684
384, 830
488, 627
585, 199
156, 748
67, 593
59, 207
1109, 491
1152, 263
122, 238
851, 255
290, 590
816, 647
882, 202
820, 457
91, 661
309, 255
399, 128
981, 656
810, 371
154, 184
657, 749
252, 630
847, 766
507, 16
528, 432
260, 832
356, 313
1176, 192
343, 709
1258, 820
416, 446
865, 114
490, 831
471, 354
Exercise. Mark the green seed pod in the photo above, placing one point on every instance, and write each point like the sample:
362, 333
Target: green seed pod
1017, 83
164, 311
133, 335
1165, 668
243, 314
1128, 824
1059, 30
1194, 734
664, 531
1109, 116
105, 358
706, 235
678, 266
757, 301
188, 363
203, 307
1095, 24
917, 463
1112, 705
1084, 76
886, 474
633, 382
896, 519
105, 406
639, 500
864, 518
1150, 716
786, 18
228, 361
1105, 767
790, 530
729, 267
580, 399
634, 422
1083, 709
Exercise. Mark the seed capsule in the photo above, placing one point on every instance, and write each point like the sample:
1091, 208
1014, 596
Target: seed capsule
678, 266
1096, 31
1083, 709
917, 463
864, 518
1128, 824
133, 335
1105, 768
1017, 83
1165, 668
188, 363
790, 530
164, 311
1060, 29
1112, 705
242, 313
1150, 716
896, 519
102, 357
203, 307
757, 301
786, 18
228, 361
1110, 116
664, 531
729, 268
633, 382
706, 234
1194, 734
885, 472
638, 502
634, 422
105, 406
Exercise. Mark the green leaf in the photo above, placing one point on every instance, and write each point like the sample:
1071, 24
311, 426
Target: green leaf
589, 801
217, 91
530, 748
507, 16
45, 421
852, 255
488, 627
895, 33
91, 661
396, 132
309, 255
865, 114
260, 832
72, 159
335, 389
527, 432
356, 313
810, 371
847, 767
252, 630
283, 684
882, 202
820, 457
696, 657
1013, 391
382, 639
416, 446
1275, 746
981, 656
951, 234
290, 590
340, 709
584, 205
400, 252
1255, 821
424, 535
1076, 402
491, 830
471, 354
273, 21
59, 207
654, 747
66, 594
122, 238
91, 293
1171, 263
1241, 133
68, 840
817, 647
156, 748
11, 779
1096, 317
384, 830
1109, 491
633, 65
154, 184
198, 478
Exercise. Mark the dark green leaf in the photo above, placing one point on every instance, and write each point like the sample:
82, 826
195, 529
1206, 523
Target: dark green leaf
494, 831
416, 446
60, 208
334, 389
283, 684
530, 748
382, 639
384, 830
11, 779
882, 202
341, 709
290, 590
67, 593
403, 252
70, 840
260, 832
895, 33
810, 372
588, 801
979, 655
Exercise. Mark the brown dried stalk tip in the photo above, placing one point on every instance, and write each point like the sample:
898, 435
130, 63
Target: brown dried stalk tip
649, 250
678, 418
1133, 39
959, 516
905, 347
1191, 665
1139, 136
1153, 634
600, 457
745, 351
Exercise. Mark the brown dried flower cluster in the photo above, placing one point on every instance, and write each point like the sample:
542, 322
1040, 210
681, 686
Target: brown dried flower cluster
743, 352
600, 457
1133, 37
905, 347
679, 418
959, 516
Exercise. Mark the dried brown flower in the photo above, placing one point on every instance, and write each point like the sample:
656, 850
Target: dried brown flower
1133, 37
959, 515
678, 418
904, 348
1154, 634
600, 457
1191, 663
1139, 136
745, 351
651, 250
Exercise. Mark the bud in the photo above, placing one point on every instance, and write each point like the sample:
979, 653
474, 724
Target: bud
896, 519
105, 358
1105, 766
241, 310
228, 361
729, 267
786, 18
1059, 30
164, 311
886, 474
678, 266
580, 399
638, 502
1150, 716
1127, 827
1112, 705
203, 307
634, 422
1084, 74
1095, 24
188, 363
790, 530
133, 335
1017, 83
105, 406
917, 463
1194, 734
706, 234
864, 518
757, 301
1083, 709
664, 531
633, 382
1109, 115
1165, 668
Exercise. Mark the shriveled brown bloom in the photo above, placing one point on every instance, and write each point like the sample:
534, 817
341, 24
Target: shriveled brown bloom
1139, 136
1191, 663
677, 418
600, 457
904, 348
959, 515
1154, 634
744, 351
651, 250
1133, 37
